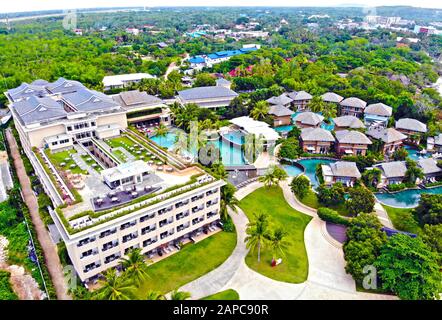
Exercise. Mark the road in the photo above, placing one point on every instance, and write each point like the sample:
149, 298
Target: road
52, 261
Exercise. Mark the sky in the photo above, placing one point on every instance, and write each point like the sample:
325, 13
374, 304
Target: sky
34, 5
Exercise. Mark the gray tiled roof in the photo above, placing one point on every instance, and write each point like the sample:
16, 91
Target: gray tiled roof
429, 166
135, 98
309, 118
351, 122
353, 102
386, 135
89, 101
438, 139
332, 97
411, 124
280, 111
35, 109
316, 134
394, 169
352, 137
379, 109
64, 86
345, 169
214, 92
222, 81
300, 95
283, 99
27, 90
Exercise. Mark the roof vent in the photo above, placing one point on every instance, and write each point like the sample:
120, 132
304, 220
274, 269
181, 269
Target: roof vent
42, 109
96, 100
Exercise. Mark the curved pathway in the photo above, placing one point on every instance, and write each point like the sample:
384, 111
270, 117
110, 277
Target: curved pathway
326, 278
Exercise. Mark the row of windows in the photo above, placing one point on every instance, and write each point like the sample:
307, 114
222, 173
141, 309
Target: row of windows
80, 126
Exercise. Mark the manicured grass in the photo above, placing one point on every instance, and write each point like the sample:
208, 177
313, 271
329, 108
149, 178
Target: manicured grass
294, 267
228, 294
402, 219
311, 200
126, 143
57, 158
192, 262
90, 161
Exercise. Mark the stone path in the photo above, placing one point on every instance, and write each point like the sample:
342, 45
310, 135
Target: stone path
326, 278
52, 260
383, 216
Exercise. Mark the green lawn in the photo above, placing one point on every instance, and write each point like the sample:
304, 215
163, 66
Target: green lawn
58, 158
294, 267
127, 143
90, 161
228, 294
402, 219
311, 200
192, 262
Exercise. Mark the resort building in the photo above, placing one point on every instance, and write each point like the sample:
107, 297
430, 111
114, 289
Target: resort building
341, 171
352, 107
301, 100
412, 128
282, 116
316, 140
348, 122
431, 170
391, 172
308, 120
259, 129
112, 189
143, 109
208, 60
351, 142
331, 97
207, 97
62, 113
282, 100
124, 80
390, 138
377, 114
435, 143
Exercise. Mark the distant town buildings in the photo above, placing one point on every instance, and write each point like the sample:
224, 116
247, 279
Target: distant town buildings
123, 80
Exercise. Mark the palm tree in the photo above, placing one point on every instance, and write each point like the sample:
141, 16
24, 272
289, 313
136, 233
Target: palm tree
329, 111
279, 174
268, 179
257, 233
260, 110
134, 266
161, 131
413, 172
228, 200
180, 295
277, 242
180, 144
114, 287
155, 295
316, 104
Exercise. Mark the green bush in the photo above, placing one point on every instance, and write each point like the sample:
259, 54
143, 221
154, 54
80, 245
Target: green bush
6, 292
396, 187
332, 216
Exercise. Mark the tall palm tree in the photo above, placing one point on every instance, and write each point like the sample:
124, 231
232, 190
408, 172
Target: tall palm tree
181, 143
155, 295
316, 104
268, 179
114, 287
277, 242
260, 111
329, 111
228, 200
279, 174
257, 233
134, 266
180, 295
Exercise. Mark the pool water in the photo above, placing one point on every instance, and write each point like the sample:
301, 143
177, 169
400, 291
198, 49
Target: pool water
235, 137
288, 128
414, 154
406, 198
231, 155
310, 169
284, 128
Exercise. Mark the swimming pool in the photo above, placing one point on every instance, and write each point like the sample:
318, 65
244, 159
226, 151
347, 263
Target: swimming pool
414, 154
235, 137
166, 141
309, 169
406, 198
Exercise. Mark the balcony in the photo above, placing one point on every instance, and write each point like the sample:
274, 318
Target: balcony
89, 253
85, 241
147, 217
130, 237
165, 222
210, 192
148, 229
183, 227
197, 220
91, 267
111, 258
196, 198
182, 215
107, 233
164, 210
166, 234
211, 214
128, 225
109, 245
211, 203
150, 241
181, 203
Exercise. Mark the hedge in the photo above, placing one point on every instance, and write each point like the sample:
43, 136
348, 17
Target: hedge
332, 216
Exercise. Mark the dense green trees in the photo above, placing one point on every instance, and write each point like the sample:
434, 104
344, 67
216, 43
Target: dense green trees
360, 200
290, 148
300, 186
331, 195
429, 210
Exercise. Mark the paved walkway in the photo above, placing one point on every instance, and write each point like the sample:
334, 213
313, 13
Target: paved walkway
326, 278
383, 215
52, 260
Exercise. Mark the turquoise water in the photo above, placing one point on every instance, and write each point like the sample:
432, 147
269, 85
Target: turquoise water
231, 155
235, 136
166, 141
310, 169
283, 128
407, 198
414, 155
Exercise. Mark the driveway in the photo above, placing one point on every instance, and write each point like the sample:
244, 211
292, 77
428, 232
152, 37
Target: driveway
326, 278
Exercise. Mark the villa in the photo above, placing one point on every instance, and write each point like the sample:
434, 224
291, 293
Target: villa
351, 142
112, 190
213, 97
348, 122
391, 172
430, 168
316, 140
300, 99
283, 100
331, 97
258, 129
377, 114
412, 128
435, 143
352, 107
391, 138
308, 120
341, 171
124, 80
282, 116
